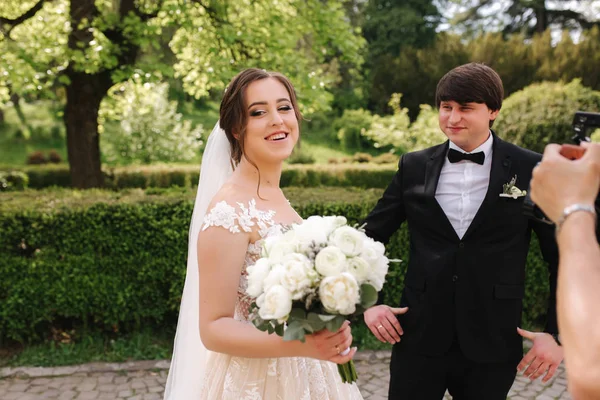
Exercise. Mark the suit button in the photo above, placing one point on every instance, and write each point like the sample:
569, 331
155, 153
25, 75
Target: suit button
454, 278
461, 245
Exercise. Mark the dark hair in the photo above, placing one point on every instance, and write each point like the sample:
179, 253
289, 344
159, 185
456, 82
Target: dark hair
233, 111
471, 83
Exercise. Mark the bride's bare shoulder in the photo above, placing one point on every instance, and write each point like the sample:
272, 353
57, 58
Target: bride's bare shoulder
231, 194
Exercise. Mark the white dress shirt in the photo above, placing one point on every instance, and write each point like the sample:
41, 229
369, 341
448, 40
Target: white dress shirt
463, 186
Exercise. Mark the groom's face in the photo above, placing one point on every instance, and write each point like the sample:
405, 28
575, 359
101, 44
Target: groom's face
466, 124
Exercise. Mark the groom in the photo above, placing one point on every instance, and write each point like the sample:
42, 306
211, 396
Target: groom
465, 282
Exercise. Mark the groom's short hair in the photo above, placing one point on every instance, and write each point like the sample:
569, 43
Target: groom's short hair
471, 83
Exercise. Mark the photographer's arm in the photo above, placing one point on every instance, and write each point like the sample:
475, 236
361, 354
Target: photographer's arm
578, 299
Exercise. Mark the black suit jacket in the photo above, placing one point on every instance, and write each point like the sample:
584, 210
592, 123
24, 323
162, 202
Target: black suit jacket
471, 288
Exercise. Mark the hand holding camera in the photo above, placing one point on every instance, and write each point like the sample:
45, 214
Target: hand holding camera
567, 175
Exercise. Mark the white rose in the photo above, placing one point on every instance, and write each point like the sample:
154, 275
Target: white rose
333, 222
276, 247
274, 277
359, 268
276, 304
312, 229
377, 275
339, 294
372, 250
298, 275
257, 274
330, 261
348, 239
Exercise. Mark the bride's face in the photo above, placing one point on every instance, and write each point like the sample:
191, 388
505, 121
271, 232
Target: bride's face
272, 128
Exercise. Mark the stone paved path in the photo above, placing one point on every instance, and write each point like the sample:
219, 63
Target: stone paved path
145, 380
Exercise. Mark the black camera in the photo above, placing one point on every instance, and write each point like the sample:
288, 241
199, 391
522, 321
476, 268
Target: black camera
581, 123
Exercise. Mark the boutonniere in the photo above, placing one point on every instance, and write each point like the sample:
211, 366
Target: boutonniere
510, 190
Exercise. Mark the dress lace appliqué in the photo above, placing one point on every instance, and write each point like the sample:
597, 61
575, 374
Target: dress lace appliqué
225, 215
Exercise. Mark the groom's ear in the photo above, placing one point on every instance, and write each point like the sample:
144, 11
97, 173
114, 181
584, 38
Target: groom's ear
494, 114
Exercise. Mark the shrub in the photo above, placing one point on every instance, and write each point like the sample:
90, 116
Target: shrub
151, 129
13, 180
362, 158
397, 131
350, 127
36, 158
54, 157
102, 261
301, 157
164, 176
542, 113
386, 158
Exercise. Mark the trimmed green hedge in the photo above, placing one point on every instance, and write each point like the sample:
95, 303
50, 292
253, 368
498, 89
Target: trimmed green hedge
102, 261
354, 175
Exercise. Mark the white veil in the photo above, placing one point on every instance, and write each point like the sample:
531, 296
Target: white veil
186, 374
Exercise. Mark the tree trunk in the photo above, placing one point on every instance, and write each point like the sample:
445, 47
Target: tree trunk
541, 16
16, 101
84, 94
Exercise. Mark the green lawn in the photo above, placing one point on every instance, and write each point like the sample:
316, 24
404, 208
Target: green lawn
65, 351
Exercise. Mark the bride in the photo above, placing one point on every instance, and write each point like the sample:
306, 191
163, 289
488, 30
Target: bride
218, 353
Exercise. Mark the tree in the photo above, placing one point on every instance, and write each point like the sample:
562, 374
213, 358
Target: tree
392, 28
525, 16
390, 25
86, 46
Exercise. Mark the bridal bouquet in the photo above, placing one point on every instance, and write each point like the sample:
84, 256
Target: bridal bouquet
313, 277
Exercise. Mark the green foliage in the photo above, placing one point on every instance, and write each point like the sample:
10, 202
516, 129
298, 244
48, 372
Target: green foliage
68, 348
397, 131
518, 59
13, 180
151, 129
115, 263
542, 113
300, 156
350, 128
415, 73
391, 25
47, 46
165, 176
305, 40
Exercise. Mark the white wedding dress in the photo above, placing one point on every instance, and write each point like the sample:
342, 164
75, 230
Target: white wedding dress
238, 378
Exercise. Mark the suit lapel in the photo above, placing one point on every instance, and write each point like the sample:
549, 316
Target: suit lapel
499, 175
433, 169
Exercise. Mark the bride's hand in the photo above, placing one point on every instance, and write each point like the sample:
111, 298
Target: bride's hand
326, 345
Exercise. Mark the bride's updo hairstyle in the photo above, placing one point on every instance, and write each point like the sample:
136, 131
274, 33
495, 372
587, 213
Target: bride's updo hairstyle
234, 110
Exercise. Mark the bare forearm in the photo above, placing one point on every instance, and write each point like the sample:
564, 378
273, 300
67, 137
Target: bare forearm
578, 299
240, 339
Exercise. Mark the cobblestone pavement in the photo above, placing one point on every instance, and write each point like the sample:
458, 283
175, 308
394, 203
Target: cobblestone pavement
145, 380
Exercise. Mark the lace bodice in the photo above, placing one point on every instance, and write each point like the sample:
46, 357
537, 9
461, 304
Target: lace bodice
244, 218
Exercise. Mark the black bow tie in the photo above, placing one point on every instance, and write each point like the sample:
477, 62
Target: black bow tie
456, 156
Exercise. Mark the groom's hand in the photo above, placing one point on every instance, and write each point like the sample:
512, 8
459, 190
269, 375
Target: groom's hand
543, 358
382, 321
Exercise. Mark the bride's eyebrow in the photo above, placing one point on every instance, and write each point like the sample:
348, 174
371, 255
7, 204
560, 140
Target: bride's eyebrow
264, 103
